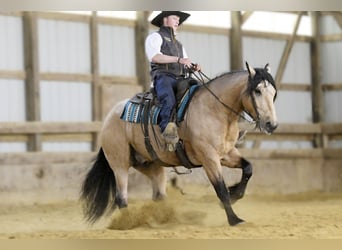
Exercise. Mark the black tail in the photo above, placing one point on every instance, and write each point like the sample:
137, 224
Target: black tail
98, 189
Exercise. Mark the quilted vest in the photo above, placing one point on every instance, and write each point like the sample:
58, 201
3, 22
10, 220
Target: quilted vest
170, 46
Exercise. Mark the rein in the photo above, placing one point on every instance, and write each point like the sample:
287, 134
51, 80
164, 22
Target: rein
200, 77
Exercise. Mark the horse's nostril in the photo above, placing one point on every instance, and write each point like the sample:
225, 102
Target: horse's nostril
271, 127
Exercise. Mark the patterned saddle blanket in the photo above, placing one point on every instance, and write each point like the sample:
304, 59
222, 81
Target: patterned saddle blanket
134, 112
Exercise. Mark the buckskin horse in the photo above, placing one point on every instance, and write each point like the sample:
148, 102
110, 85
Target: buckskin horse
209, 133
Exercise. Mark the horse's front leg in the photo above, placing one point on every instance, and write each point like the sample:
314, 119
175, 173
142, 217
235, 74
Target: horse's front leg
214, 172
234, 160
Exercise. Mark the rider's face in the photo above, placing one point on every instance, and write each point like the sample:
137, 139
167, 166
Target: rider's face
171, 21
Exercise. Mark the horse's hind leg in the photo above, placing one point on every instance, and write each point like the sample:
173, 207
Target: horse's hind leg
121, 178
156, 174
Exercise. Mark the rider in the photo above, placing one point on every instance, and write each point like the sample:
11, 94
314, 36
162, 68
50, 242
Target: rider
169, 61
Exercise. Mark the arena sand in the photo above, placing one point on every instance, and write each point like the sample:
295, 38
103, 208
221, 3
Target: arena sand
196, 214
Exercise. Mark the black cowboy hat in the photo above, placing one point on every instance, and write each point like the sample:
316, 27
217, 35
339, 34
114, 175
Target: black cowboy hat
158, 20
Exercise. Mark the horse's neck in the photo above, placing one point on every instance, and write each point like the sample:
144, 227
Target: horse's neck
229, 90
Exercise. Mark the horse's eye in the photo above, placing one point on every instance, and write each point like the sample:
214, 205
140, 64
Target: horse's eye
257, 92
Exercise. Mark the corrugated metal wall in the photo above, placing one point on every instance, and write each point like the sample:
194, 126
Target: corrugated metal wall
211, 51
12, 92
116, 50
64, 46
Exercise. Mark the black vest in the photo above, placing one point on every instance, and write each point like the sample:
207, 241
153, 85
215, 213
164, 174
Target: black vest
171, 47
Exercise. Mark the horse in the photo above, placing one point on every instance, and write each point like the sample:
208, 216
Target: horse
209, 132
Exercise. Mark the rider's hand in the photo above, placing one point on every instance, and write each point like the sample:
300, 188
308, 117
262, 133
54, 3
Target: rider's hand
186, 62
195, 67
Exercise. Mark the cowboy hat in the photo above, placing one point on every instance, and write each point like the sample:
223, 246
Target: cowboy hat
158, 20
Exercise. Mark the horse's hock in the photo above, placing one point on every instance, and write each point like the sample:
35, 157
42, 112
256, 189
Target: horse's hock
49, 176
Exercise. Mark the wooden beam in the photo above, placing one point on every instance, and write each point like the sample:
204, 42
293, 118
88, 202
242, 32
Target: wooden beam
65, 77
45, 158
203, 29
295, 87
236, 42
332, 128
245, 16
274, 36
97, 114
286, 128
338, 17
119, 80
287, 51
36, 127
331, 38
116, 21
12, 74
30, 34
63, 16
142, 65
316, 90
332, 86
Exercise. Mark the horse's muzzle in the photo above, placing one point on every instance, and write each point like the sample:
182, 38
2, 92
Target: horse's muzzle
270, 127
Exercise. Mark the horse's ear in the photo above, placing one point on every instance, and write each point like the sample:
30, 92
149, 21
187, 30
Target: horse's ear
250, 69
268, 68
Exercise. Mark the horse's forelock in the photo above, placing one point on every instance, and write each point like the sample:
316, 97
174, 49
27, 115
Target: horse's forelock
260, 75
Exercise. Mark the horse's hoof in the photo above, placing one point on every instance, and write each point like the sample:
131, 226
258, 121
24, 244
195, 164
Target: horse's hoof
235, 221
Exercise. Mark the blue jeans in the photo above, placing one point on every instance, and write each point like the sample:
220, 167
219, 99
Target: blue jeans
165, 87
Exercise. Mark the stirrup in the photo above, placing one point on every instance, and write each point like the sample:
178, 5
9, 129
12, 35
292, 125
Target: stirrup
170, 136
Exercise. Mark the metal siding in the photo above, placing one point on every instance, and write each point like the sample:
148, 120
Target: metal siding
332, 106
259, 51
66, 146
13, 147
12, 100
65, 101
298, 69
11, 46
209, 50
329, 26
331, 54
286, 145
117, 50
331, 62
64, 46
294, 107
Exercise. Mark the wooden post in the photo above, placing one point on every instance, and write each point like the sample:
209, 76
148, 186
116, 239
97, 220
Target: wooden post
236, 42
316, 90
287, 51
32, 88
142, 65
95, 85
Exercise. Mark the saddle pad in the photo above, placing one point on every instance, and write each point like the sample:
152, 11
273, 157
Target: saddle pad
184, 103
133, 113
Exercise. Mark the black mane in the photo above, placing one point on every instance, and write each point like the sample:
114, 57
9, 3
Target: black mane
261, 74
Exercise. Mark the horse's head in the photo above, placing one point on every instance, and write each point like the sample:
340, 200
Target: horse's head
259, 98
